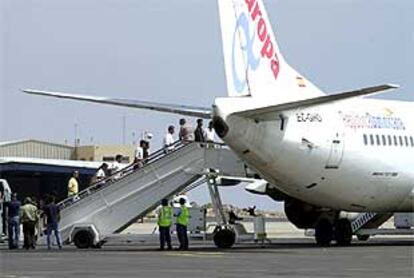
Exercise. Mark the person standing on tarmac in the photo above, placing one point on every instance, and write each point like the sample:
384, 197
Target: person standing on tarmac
164, 224
52, 213
14, 222
29, 220
183, 216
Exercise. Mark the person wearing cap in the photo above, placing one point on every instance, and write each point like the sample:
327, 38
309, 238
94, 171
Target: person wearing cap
29, 220
73, 185
182, 217
164, 224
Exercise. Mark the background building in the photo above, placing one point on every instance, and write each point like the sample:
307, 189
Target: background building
36, 149
41, 149
105, 153
36, 168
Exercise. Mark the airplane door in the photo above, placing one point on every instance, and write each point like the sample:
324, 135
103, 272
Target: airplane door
336, 152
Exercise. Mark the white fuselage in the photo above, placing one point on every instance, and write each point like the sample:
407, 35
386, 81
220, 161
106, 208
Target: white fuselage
354, 155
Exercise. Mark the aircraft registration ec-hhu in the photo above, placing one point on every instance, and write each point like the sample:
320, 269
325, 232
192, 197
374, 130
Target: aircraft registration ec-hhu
332, 151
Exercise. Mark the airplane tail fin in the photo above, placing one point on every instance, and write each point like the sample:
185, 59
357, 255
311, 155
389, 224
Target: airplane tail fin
254, 65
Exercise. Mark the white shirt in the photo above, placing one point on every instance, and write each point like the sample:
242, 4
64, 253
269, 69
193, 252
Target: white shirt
139, 153
210, 135
116, 166
100, 175
168, 141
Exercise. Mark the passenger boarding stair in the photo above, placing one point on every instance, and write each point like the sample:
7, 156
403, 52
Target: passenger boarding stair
111, 205
368, 220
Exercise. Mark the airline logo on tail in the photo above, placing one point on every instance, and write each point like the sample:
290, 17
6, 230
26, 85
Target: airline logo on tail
250, 26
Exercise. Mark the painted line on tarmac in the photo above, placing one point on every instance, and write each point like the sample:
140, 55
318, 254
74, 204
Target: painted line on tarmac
197, 254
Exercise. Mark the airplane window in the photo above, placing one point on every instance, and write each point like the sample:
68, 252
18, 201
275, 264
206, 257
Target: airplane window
389, 140
406, 141
395, 141
365, 139
378, 140
384, 140
371, 139
401, 140
411, 141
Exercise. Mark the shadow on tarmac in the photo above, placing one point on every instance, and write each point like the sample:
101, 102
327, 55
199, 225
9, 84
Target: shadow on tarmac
279, 246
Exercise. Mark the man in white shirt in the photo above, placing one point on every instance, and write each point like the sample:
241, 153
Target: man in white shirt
117, 167
139, 151
210, 133
169, 139
101, 174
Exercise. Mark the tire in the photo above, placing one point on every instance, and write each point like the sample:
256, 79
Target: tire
343, 232
362, 237
83, 239
323, 232
224, 238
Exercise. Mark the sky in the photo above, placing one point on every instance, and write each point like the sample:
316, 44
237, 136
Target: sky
170, 51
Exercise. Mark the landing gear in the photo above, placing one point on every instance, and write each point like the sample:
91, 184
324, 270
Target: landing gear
340, 231
343, 232
323, 232
224, 237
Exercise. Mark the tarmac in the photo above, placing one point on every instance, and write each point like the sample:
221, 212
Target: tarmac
290, 254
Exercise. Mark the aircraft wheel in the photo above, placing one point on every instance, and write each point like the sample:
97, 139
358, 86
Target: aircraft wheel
224, 238
362, 237
83, 239
343, 232
323, 232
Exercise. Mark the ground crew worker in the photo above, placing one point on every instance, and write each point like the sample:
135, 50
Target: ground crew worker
183, 216
29, 220
164, 223
73, 185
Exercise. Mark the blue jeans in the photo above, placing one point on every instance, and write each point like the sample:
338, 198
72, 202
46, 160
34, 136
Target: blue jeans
14, 232
52, 227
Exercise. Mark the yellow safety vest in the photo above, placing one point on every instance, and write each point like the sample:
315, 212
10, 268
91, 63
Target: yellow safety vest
184, 216
165, 217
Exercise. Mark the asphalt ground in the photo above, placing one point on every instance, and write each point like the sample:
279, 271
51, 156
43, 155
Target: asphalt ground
288, 257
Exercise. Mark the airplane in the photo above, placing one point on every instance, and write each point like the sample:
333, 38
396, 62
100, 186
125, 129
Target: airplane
320, 153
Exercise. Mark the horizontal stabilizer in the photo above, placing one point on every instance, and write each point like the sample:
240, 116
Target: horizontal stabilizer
161, 107
268, 113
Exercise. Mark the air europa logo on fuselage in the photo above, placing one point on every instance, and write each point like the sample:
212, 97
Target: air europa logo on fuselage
267, 49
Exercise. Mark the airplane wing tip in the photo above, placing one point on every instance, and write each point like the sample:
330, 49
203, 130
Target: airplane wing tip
393, 86
30, 91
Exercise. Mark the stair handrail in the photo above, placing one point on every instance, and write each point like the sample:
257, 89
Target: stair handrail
131, 168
